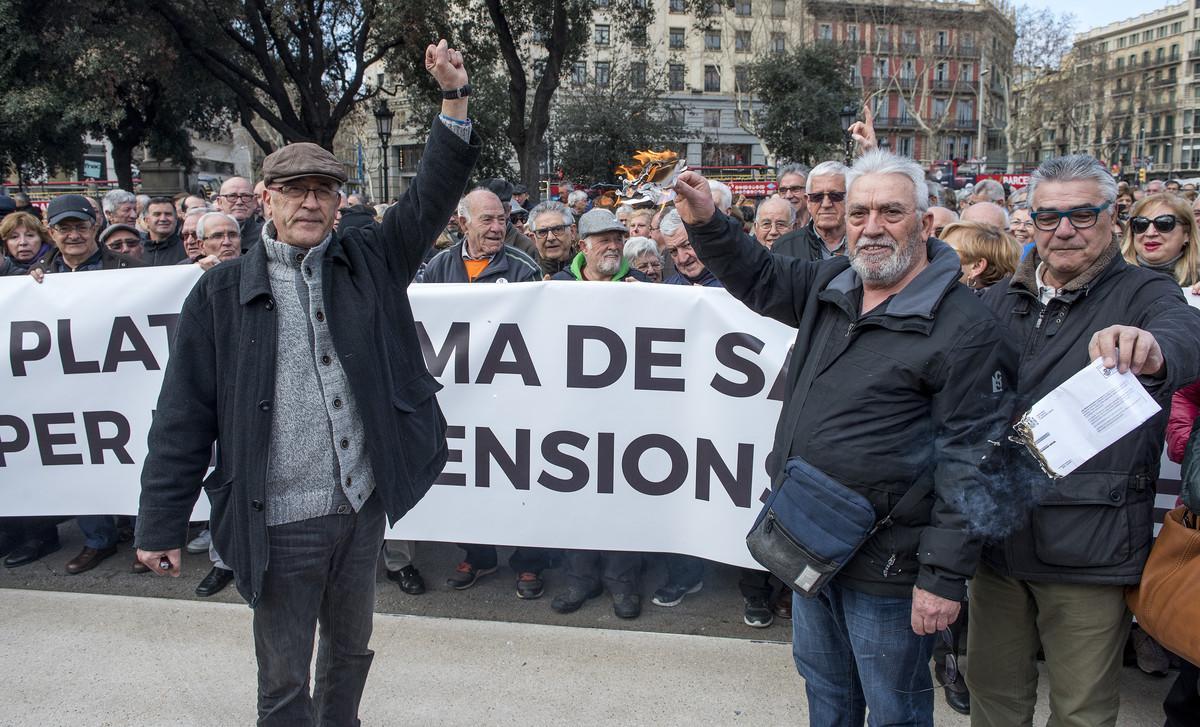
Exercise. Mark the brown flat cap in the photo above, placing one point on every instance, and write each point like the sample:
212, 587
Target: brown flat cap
302, 159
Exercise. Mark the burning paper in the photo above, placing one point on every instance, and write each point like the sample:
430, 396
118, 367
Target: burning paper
1090, 411
651, 177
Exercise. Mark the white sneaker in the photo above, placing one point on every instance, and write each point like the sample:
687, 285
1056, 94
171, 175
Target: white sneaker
200, 543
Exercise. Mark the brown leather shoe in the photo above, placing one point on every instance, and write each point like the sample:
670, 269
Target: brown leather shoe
782, 604
88, 559
138, 567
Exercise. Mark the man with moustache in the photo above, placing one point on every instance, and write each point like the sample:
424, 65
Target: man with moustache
825, 234
601, 250
552, 227
909, 378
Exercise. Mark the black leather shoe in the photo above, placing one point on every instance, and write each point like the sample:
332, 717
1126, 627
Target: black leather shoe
570, 601
958, 697
409, 579
627, 605
214, 582
30, 551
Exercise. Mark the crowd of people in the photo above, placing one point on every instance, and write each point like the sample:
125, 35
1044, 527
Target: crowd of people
1076, 249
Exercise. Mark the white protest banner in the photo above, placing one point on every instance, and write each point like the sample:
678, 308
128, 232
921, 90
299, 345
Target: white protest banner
585, 415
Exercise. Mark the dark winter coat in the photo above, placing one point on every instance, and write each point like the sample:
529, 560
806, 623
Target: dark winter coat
509, 265
1096, 525
911, 390
220, 379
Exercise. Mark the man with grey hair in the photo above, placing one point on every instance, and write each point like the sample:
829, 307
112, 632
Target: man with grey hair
577, 200
825, 234
774, 218
1056, 582
552, 227
987, 190
899, 381
793, 179
237, 199
482, 256
120, 207
722, 195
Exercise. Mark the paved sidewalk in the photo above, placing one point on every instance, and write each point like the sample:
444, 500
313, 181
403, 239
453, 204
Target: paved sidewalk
86, 659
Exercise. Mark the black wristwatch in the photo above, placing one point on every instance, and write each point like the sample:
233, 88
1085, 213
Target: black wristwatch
462, 92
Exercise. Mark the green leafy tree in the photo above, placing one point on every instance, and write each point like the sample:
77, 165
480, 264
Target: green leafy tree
800, 96
599, 127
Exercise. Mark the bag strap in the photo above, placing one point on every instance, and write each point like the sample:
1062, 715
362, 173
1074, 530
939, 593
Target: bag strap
803, 384
909, 500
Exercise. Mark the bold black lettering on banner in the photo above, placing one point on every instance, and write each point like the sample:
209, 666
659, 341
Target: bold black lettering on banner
631, 464
645, 358
508, 335
47, 440
777, 389
97, 442
455, 479
709, 462
18, 355
726, 354
617, 357
125, 329
489, 449
457, 344
168, 322
553, 455
606, 444
20, 439
66, 351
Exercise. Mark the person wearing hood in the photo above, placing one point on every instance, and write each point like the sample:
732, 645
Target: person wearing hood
601, 250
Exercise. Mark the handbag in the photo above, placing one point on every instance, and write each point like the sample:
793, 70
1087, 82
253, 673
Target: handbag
812, 525
1167, 601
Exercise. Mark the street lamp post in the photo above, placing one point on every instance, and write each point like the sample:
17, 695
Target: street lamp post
980, 143
847, 118
383, 125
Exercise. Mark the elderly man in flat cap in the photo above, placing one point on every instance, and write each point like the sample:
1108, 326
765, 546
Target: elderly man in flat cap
301, 361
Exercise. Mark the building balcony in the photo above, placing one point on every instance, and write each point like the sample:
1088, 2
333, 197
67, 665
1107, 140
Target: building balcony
910, 49
896, 122
961, 125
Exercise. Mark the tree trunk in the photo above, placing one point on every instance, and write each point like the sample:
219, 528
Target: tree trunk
529, 158
122, 154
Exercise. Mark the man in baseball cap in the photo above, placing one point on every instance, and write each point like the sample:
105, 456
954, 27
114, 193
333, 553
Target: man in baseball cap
72, 222
601, 245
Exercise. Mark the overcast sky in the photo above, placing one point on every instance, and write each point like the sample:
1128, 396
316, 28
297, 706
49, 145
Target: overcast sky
1095, 13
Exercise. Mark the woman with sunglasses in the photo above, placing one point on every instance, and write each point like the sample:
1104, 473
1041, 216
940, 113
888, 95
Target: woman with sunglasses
1161, 235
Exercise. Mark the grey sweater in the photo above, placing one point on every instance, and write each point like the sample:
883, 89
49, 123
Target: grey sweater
317, 464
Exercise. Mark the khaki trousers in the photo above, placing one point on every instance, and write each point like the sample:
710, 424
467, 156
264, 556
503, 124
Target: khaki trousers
1082, 630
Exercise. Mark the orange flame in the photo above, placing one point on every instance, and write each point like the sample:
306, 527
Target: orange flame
648, 161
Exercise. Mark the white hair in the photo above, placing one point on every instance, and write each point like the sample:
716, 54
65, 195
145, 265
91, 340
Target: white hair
635, 247
624, 208
826, 169
1074, 168
670, 223
787, 169
882, 162
776, 198
723, 192
576, 196
550, 205
114, 199
991, 189
200, 223
464, 209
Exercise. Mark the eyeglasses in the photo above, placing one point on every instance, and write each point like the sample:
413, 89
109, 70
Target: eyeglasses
189, 235
819, 197
1162, 223
648, 266
794, 189
223, 236
1081, 218
950, 670
556, 231
296, 193
80, 229
772, 225
240, 197
1021, 223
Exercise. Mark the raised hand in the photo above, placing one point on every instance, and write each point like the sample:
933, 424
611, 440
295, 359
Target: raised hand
693, 198
445, 64
863, 132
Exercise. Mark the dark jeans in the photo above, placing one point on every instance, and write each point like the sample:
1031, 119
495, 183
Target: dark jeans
99, 531
1182, 705
857, 652
683, 570
321, 573
620, 572
523, 560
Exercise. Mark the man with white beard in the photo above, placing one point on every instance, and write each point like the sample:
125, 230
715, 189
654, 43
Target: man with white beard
601, 245
900, 378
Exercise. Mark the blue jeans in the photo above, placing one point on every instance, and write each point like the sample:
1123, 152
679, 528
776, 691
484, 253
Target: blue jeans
321, 573
99, 531
857, 652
